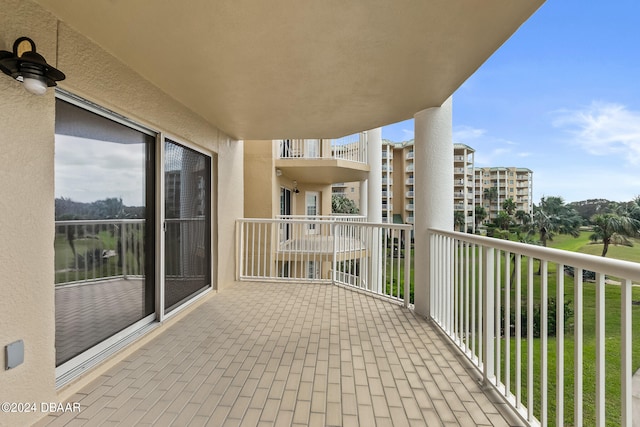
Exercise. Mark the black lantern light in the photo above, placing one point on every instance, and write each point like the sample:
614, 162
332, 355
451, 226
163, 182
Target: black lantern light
29, 67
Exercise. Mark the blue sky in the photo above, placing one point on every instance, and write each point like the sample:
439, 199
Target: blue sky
561, 97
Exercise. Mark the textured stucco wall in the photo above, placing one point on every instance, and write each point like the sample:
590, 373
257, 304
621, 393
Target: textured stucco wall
27, 190
26, 218
259, 184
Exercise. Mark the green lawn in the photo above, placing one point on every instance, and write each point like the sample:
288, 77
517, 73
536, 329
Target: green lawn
612, 340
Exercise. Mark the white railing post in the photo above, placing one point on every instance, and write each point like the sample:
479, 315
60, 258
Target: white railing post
488, 310
407, 267
600, 351
625, 354
334, 258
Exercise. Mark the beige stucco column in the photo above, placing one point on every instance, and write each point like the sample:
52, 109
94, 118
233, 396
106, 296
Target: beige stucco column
433, 191
374, 185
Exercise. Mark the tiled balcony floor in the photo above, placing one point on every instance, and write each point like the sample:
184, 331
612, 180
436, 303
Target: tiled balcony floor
291, 354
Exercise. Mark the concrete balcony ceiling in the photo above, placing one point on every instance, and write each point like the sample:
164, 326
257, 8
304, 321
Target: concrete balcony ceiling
286, 68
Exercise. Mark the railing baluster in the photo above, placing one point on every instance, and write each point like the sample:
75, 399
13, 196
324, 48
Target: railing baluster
530, 414
467, 331
518, 326
600, 350
559, 344
544, 338
626, 354
474, 251
488, 302
578, 347
497, 319
507, 323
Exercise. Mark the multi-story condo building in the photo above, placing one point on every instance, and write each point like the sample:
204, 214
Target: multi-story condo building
142, 321
398, 183
494, 185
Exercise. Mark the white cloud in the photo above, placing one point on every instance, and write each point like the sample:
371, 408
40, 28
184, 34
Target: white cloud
408, 134
465, 133
603, 129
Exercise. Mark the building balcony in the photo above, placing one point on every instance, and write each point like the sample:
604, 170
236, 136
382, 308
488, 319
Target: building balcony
409, 168
307, 350
324, 161
409, 155
409, 181
409, 207
409, 194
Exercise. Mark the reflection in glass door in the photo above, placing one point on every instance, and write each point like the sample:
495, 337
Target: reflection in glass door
104, 217
187, 179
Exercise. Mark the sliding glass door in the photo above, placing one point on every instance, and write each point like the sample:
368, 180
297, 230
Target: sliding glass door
105, 229
187, 180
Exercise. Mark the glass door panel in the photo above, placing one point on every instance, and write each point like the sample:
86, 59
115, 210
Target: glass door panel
187, 179
104, 227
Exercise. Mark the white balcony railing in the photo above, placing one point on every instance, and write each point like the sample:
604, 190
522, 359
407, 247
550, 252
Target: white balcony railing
370, 257
351, 147
495, 299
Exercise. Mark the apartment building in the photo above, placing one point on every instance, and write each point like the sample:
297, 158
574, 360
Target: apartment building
398, 183
509, 182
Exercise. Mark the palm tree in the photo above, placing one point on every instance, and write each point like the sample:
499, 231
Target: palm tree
503, 220
459, 220
613, 228
509, 206
491, 194
523, 217
553, 216
481, 214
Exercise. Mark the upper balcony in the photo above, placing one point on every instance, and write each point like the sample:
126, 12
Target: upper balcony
324, 161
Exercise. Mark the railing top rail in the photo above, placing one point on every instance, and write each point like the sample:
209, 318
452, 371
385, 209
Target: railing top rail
613, 267
308, 221
99, 221
333, 217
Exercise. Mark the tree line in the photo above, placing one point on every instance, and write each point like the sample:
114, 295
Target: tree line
610, 222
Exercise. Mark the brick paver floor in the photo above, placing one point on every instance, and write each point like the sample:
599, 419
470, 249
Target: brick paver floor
263, 354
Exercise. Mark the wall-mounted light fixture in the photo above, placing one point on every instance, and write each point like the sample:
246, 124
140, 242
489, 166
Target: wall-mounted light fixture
29, 67
295, 187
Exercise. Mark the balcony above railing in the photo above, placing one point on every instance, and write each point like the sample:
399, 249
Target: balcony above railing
324, 161
409, 207
409, 194
352, 148
409, 155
